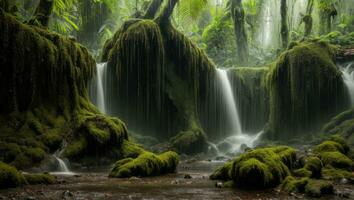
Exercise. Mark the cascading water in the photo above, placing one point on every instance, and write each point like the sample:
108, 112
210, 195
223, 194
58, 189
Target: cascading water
62, 168
348, 77
238, 137
226, 88
100, 85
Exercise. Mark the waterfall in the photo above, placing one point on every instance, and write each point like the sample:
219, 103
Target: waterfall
232, 111
238, 137
100, 85
348, 77
62, 168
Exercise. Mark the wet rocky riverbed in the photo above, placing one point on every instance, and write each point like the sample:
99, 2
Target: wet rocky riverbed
191, 182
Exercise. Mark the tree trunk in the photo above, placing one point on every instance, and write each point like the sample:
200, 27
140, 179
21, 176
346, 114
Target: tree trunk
284, 29
238, 17
152, 9
307, 19
43, 12
165, 14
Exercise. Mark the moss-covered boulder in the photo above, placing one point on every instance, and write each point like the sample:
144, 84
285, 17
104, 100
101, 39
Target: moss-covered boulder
189, 142
311, 187
10, 177
146, 164
343, 126
306, 90
45, 78
312, 168
259, 168
163, 88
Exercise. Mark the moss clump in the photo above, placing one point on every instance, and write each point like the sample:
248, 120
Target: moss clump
329, 146
342, 125
10, 177
292, 184
336, 160
317, 188
333, 173
222, 173
189, 142
38, 179
338, 38
306, 89
259, 168
146, 164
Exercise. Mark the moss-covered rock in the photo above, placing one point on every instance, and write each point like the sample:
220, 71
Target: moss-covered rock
306, 89
45, 76
292, 184
337, 174
146, 164
317, 188
39, 179
259, 168
168, 83
10, 177
336, 160
343, 126
189, 142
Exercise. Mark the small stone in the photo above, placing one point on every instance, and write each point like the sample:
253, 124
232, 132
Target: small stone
134, 178
67, 195
30, 198
219, 184
187, 176
344, 181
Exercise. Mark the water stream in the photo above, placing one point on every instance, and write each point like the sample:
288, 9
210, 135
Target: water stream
100, 93
62, 168
233, 144
348, 77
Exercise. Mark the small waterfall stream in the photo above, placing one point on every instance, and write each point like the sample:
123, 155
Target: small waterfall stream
62, 168
100, 93
348, 77
238, 138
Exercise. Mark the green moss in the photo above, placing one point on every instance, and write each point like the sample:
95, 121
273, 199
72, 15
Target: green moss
189, 141
47, 100
338, 38
317, 188
333, 173
259, 168
306, 89
302, 172
292, 184
222, 173
37, 179
286, 154
10, 177
336, 160
329, 146
146, 164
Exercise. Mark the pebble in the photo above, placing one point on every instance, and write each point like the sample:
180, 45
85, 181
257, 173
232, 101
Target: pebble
187, 176
219, 184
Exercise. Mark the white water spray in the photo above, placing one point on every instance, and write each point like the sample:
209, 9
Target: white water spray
348, 77
238, 137
232, 111
62, 169
100, 93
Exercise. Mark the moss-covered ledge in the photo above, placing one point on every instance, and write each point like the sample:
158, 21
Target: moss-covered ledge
45, 76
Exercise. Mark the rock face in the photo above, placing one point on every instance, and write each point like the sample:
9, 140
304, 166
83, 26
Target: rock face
45, 78
306, 89
158, 77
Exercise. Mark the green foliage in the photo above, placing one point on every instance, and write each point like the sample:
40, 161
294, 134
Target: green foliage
146, 164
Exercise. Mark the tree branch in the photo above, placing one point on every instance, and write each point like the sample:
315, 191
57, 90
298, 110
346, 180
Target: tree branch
165, 14
43, 12
152, 9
